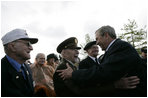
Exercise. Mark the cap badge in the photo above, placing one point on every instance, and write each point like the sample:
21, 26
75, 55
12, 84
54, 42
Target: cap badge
76, 41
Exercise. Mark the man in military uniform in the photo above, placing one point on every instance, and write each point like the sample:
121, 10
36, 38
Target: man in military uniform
69, 52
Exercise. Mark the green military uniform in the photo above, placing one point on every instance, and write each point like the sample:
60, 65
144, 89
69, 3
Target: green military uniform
65, 87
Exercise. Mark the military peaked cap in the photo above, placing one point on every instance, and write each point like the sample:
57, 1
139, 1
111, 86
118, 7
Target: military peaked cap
88, 45
70, 43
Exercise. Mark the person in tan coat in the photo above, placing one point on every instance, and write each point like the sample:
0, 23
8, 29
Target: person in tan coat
41, 76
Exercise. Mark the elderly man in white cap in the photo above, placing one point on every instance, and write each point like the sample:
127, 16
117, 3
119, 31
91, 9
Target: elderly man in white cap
16, 78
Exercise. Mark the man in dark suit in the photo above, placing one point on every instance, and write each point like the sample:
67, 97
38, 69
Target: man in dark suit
16, 78
92, 50
120, 59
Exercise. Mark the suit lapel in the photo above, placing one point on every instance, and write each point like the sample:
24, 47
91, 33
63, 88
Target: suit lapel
91, 61
16, 77
112, 47
110, 50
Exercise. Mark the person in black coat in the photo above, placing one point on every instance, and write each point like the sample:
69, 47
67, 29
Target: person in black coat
120, 59
92, 50
16, 78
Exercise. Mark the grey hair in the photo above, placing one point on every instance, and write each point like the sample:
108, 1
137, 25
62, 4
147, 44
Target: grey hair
107, 29
39, 54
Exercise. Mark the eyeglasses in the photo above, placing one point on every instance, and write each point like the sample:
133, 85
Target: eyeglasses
26, 43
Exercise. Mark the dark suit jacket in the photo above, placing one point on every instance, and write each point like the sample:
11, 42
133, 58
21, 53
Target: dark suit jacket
86, 63
121, 59
67, 88
13, 83
104, 90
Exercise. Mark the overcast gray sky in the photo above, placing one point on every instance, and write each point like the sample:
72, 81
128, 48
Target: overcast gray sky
54, 21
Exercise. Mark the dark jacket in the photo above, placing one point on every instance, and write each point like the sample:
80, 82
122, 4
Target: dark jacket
95, 90
86, 63
13, 83
121, 59
67, 88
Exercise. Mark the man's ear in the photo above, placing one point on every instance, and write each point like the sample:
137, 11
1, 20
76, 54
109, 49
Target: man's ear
63, 51
107, 36
87, 51
12, 47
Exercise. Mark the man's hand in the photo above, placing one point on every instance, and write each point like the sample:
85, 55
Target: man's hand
127, 82
66, 73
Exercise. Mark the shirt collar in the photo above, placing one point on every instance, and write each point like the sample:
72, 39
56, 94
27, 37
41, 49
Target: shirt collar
70, 62
93, 58
110, 45
14, 63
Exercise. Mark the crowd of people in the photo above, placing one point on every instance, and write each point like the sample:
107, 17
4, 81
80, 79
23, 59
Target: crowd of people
119, 72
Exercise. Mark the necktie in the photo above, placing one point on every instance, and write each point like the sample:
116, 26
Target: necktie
96, 61
24, 71
26, 75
